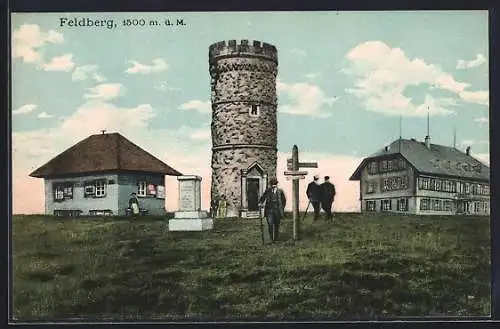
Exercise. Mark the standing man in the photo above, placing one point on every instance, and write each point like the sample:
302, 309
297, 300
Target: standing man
314, 195
214, 207
327, 197
274, 210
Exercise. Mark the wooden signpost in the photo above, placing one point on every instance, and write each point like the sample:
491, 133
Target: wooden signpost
293, 173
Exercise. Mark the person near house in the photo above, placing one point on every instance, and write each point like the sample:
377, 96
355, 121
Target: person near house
133, 204
214, 206
221, 207
327, 197
313, 193
274, 202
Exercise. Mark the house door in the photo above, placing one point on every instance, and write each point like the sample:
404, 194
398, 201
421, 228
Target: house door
253, 194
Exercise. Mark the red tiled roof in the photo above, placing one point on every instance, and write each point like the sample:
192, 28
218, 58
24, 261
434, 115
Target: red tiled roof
103, 152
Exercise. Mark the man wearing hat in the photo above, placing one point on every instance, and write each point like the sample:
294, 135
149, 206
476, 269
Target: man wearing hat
275, 202
327, 197
314, 195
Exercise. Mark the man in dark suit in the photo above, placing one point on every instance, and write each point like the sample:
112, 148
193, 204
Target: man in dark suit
314, 195
275, 201
327, 197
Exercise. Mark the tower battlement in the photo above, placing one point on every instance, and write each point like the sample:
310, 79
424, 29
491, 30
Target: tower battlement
244, 47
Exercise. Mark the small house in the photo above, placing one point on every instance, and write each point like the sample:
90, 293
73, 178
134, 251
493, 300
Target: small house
98, 175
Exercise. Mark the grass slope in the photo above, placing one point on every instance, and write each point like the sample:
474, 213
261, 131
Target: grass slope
359, 267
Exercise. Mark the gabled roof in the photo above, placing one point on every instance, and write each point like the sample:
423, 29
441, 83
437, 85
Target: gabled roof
103, 152
436, 160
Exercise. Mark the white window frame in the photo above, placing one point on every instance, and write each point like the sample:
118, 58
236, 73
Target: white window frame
100, 188
252, 107
142, 188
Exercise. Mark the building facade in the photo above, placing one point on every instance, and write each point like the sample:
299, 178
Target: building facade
244, 122
98, 175
422, 178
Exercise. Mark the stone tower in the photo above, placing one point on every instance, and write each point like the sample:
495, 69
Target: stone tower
244, 122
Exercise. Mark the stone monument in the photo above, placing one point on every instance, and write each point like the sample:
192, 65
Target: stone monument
244, 122
190, 217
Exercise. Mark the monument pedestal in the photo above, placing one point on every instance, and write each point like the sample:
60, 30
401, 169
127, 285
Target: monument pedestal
190, 217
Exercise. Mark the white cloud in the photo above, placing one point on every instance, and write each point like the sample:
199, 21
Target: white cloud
25, 109
163, 86
482, 120
383, 73
298, 52
197, 105
159, 65
44, 115
85, 72
312, 75
105, 91
464, 64
480, 97
201, 134
483, 157
305, 99
60, 63
28, 39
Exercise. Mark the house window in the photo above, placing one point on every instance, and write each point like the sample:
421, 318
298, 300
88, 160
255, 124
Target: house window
476, 207
436, 205
146, 189
100, 188
467, 188
486, 189
404, 182
448, 205
141, 188
383, 166
62, 191
386, 205
425, 204
370, 187
401, 164
423, 183
433, 184
254, 110
389, 165
403, 204
370, 205
453, 187
438, 185
372, 168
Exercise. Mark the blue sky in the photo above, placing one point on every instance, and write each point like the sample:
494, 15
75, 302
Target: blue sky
344, 80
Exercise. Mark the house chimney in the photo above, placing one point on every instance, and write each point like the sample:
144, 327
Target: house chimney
467, 150
428, 141
387, 148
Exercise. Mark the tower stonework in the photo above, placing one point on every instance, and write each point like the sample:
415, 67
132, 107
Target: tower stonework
244, 122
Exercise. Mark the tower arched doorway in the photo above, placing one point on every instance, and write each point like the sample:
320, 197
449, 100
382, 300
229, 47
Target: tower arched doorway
253, 185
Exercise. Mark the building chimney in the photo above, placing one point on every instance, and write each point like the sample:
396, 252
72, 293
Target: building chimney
387, 148
428, 141
467, 150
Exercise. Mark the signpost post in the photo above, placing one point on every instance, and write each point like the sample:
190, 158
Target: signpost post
294, 174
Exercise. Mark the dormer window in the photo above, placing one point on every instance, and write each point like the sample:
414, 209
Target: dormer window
254, 110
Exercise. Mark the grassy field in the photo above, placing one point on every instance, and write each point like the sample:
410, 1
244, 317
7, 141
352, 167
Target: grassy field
358, 267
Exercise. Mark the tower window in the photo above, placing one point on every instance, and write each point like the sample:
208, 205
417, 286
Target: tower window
254, 110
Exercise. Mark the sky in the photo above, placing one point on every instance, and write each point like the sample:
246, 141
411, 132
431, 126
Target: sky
345, 82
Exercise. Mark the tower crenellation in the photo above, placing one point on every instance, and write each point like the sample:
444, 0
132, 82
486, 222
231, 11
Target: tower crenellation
244, 47
244, 119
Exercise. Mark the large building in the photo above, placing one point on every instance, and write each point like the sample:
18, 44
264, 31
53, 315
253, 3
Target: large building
244, 122
416, 177
97, 175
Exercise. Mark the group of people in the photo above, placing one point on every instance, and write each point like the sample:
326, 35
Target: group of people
274, 202
321, 196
